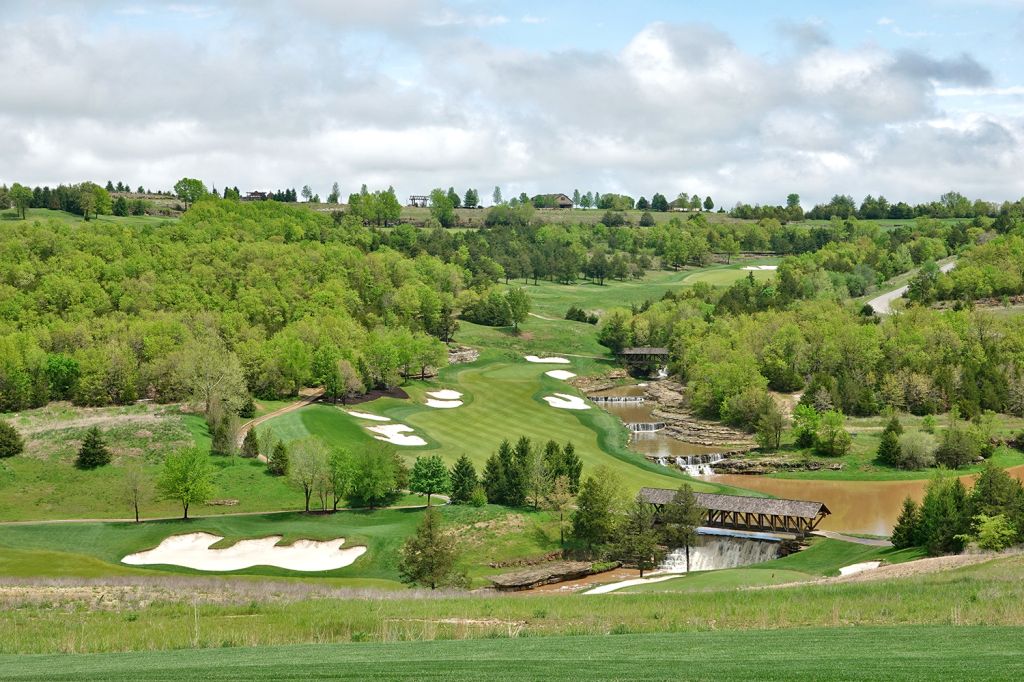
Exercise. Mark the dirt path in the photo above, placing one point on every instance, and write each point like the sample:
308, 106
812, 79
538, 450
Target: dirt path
873, 542
307, 399
893, 571
882, 305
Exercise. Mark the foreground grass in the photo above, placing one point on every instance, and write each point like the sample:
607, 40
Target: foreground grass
106, 618
813, 653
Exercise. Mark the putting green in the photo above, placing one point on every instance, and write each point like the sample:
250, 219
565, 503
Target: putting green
503, 398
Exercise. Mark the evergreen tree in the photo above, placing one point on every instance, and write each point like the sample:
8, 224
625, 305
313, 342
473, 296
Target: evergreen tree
516, 473
464, 481
93, 453
907, 531
573, 467
595, 521
494, 476
250, 445
889, 446
680, 518
430, 556
248, 408
277, 463
637, 544
11, 442
944, 521
429, 476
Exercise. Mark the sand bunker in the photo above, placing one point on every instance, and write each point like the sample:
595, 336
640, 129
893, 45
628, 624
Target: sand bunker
395, 434
760, 267
859, 568
367, 415
193, 551
560, 374
443, 404
547, 361
565, 401
446, 394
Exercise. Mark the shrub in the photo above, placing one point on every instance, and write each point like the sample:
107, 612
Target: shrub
479, 496
915, 451
11, 442
833, 440
248, 409
958, 448
647, 220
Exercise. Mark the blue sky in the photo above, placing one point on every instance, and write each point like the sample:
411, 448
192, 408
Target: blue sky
741, 100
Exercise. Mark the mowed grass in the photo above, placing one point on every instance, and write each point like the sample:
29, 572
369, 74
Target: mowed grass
872, 653
488, 534
72, 219
503, 399
727, 275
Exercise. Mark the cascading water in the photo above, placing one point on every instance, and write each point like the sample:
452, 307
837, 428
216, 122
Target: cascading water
699, 465
615, 399
645, 427
721, 552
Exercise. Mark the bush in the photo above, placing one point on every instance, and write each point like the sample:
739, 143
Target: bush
248, 409
11, 442
958, 449
479, 496
915, 451
577, 314
745, 408
647, 220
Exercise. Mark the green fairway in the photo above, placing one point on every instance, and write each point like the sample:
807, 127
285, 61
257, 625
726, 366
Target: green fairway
727, 275
503, 399
96, 549
919, 652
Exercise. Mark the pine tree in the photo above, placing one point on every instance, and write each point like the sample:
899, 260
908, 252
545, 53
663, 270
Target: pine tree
907, 531
514, 463
889, 446
430, 557
681, 517
277, 463
637, 544
494, 477
94, 452
573, 467
464, 481
248, 408
250, 446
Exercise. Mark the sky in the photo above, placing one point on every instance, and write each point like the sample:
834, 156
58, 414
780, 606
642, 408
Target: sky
743, 100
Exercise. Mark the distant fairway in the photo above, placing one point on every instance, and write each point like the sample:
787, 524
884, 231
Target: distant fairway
728, 275
503, 400
861, 653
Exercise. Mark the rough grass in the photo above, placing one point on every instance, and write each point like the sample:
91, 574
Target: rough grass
72, 219
58, 620
918, 652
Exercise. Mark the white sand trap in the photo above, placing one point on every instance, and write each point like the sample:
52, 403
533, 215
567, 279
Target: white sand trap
565, 401
760, 267
193, 551
395, 434
446, 394
547, 361
443, 404
560, 374
367, 415
859, 568
611, 587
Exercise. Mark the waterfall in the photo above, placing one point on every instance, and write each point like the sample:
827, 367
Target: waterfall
699, 465
615, 398
721, 552
663, 372
643, 427
662, 462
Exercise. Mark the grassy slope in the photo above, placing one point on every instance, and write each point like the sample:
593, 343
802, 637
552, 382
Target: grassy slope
813, 653
72, 219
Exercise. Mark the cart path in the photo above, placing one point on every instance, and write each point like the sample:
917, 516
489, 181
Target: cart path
882, 305
248, 426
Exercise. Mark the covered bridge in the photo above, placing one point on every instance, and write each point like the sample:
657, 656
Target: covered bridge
750, 513
645, 358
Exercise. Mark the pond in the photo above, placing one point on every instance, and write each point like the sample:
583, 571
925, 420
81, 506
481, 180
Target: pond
869, 507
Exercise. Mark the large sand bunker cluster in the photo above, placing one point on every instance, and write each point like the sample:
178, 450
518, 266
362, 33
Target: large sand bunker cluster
396, 434
565, 401
192, 550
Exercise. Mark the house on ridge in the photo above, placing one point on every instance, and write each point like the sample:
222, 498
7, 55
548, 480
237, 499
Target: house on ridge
551, 201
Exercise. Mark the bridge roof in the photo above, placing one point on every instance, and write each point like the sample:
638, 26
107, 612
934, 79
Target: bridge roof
745, 505
644, 350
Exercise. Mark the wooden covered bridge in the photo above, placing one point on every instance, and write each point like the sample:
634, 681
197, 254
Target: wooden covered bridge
737, 512
643, 359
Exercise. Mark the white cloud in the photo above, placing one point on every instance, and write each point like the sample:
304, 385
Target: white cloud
412, 94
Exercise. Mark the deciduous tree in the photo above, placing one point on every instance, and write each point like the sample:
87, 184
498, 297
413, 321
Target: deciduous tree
430, 557
187, 477
429, 476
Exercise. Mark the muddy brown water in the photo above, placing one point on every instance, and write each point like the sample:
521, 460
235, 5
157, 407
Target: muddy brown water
652, 443
857, 506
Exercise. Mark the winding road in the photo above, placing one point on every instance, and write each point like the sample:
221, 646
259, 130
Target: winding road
882, 305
